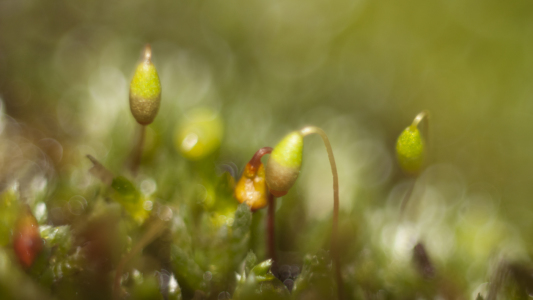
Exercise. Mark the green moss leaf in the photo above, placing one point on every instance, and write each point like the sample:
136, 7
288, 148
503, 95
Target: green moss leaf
240, 234
316, 280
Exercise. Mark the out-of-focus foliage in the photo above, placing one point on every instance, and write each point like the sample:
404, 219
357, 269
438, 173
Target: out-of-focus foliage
237, 76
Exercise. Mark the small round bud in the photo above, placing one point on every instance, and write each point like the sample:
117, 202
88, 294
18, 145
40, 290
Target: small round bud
199, 134
284, 164
411, 150
27, 241
145, 90
251, 188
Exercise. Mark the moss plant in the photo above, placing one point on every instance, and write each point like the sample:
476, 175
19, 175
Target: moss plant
282, 170
155, 229
145, 98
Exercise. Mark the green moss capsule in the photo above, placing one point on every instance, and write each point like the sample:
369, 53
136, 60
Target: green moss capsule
199, 134
284, 164
411, 150
145, 90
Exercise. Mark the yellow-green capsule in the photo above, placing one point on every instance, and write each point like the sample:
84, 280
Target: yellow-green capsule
199, 134
411, 150
284, 164
145, 90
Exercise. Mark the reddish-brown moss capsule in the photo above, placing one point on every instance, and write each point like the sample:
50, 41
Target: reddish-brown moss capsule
27, 241
251, 188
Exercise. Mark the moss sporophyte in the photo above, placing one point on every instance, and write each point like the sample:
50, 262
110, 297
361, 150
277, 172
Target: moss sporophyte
145, 90
411, 146
283, 168
145, 98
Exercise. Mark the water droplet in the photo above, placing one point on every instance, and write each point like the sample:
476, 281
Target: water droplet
208, 276
165, 213
189, 142
76, 205
148, 205
148, 187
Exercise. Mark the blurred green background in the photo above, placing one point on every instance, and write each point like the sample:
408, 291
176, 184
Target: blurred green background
359, 69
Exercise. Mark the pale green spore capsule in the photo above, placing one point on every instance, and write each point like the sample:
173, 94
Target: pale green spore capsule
411, 150
199, 134
284, 164
145, 90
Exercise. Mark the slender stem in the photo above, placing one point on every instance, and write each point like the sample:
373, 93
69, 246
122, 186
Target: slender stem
271, 240
334, 230
497, 280
153, 232
406, 198
138, 150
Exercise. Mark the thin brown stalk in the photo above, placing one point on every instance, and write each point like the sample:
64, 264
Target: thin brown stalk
138, 150
271, 240
256, 159
334, 230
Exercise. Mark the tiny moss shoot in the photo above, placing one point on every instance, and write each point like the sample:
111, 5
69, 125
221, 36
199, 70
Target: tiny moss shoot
155, 229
